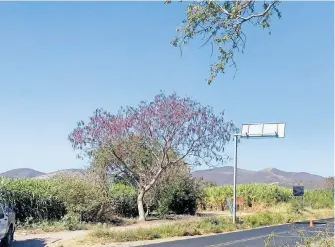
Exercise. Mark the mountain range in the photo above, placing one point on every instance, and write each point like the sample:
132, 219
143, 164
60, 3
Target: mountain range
224, 175
219, 176
31, 173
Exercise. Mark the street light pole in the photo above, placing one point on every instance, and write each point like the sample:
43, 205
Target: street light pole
249, 131
235, 176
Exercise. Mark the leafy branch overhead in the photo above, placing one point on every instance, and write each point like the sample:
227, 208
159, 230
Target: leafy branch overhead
220, 23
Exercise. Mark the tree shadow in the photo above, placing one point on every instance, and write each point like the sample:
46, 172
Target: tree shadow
315, 222
29, 243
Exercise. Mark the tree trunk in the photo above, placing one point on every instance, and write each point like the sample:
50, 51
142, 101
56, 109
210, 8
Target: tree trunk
147, 211
101, 211
140, 206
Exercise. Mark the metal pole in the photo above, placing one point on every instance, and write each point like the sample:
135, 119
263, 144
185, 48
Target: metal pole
235, 175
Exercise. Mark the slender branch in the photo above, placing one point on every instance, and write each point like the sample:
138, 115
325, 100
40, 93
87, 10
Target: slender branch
128, 171
260, 14
153, 180
186, 153
250, 16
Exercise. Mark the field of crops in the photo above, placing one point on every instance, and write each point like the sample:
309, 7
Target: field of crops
262, 195
52, 199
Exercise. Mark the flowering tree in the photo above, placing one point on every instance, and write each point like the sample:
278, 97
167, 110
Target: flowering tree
143, 142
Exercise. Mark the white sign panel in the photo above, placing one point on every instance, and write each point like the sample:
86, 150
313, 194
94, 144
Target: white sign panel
263, 130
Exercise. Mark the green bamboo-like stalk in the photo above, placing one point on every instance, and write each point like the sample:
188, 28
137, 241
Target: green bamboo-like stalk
263, 194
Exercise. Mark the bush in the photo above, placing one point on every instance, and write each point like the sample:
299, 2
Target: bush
79, 195
70, 222
175, 194
179, 197
124, 200
263, 219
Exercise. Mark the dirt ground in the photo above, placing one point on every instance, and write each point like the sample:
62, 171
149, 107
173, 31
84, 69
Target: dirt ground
54, 239
28, 239
57, 239
43, 239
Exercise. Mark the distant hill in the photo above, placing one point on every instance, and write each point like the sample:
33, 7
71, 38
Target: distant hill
224, 175
69, 172
21, 173
219, 175
31, 173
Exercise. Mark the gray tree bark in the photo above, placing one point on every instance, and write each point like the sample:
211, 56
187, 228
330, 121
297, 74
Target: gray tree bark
140, 206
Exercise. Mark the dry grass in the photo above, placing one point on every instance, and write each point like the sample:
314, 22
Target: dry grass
322, 239
60, 226
281, 212
50, 226
198, 226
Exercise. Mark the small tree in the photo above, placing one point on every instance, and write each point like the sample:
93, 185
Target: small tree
143, 142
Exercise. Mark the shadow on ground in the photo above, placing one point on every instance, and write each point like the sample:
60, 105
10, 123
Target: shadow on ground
29, 243
314, 222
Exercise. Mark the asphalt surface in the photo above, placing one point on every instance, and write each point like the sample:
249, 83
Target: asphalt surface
284, 235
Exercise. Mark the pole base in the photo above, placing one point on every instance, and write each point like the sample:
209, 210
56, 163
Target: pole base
311, 223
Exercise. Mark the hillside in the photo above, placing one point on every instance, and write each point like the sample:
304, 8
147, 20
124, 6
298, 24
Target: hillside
220, 176
21, 173
31, 173
224, 175
77, 172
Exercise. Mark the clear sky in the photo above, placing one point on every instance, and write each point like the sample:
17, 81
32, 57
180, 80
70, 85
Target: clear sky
61, 61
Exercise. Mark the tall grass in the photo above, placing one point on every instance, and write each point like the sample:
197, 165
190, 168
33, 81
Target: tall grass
52, 199
319, 198
255, 195
34, 199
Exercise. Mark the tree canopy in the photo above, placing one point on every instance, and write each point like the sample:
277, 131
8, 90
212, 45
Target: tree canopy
143, 141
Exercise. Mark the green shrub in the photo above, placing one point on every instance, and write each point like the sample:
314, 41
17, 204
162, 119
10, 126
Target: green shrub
263, 219
124, 199
79, 195
179, 196
69, 222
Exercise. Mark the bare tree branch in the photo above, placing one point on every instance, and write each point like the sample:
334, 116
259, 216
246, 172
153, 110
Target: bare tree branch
126, 169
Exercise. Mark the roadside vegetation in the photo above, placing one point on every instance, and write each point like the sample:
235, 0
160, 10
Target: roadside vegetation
71, 203
192, 227
196, 226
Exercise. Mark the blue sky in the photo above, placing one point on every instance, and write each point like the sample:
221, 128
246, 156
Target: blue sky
61, 61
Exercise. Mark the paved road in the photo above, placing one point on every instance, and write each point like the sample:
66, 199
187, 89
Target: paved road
284, 235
